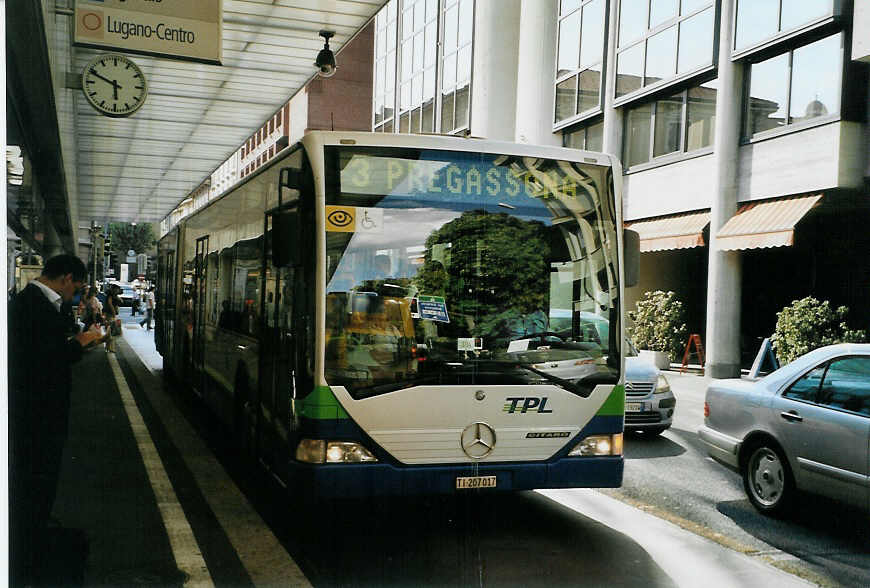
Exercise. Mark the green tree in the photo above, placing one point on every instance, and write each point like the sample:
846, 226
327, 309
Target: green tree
808, 324
493, 267
659, 323
125, 236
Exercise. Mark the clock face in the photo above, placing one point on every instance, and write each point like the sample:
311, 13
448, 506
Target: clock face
114, 85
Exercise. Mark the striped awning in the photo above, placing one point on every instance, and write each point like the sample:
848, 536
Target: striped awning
769, 223
675, 231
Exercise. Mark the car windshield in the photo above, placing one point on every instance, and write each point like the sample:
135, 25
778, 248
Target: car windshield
457, 268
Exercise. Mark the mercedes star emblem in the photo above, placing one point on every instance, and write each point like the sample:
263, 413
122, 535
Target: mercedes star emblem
478, 440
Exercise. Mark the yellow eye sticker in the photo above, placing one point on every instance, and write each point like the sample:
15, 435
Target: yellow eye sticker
341, 219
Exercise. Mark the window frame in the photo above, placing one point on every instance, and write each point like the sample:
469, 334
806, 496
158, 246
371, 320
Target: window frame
677, 78
680, 154
576, 73
394, 124
587, 123
781, 36
746, 136
817, 400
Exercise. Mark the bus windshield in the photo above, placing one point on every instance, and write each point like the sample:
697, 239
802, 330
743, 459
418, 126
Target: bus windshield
447, 267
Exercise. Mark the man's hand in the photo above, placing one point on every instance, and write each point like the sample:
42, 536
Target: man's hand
92, 335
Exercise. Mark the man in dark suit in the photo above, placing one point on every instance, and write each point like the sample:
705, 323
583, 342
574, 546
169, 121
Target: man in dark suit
41, 352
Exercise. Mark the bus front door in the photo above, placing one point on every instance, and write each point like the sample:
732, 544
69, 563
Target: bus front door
197, 373
277, 363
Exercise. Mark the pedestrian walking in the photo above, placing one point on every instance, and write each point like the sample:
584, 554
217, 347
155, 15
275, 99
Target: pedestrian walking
149, 308
90, 308
137, 300
41, 352
111, 311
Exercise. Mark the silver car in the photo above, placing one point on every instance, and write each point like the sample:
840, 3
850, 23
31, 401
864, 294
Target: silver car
804, 427
649, 401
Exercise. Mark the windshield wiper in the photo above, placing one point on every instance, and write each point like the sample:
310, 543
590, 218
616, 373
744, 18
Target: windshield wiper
561, 382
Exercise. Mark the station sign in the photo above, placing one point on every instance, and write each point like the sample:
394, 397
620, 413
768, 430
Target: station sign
180, 29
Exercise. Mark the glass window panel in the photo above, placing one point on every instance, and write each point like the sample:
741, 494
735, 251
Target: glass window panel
417, 89
379, 76
389, 105
405, 123
419, 15
661, 10
566, 92
466, 21
463, 64
448, 78
696, 42
768, 85
569, 39
450, 28
379, 109
668, 122
807, 387
405, 96
462, 107
569, 5
382, 43
701, 116
632, 20
391, 36
637, 133
574, 139
447, 113
661, 56
690, 6
388, 127
418, 52
416, 117
592, 39
391, 9
845, 385
407, 58
431, 9
756, 21
589, 95
429, 84
431, 43
390, 72
595, 137
429, 116
815, 79
407, 23
629, 70
797, 13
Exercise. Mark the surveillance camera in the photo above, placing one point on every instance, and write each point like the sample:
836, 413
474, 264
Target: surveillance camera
325, 61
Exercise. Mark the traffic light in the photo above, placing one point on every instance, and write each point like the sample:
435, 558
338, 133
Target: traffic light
107, 245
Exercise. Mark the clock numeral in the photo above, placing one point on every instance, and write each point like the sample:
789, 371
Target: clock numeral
136, 98
92, 93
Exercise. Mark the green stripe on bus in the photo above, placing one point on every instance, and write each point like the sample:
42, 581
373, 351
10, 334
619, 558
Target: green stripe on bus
322, 404
615, 403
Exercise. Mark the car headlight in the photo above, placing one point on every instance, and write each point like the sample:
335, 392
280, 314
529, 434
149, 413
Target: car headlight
322, 451
598, 445
662, 385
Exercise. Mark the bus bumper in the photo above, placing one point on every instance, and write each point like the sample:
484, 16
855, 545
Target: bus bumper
383, 479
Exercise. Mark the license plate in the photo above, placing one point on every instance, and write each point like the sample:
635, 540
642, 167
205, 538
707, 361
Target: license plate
634, 407
475, 482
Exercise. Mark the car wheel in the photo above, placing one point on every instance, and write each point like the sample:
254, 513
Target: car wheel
767, 480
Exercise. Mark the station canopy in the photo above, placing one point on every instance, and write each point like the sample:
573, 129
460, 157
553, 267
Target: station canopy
196, 115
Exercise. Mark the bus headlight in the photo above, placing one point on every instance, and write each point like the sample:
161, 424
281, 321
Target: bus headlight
322, 451
598, 445
662, 385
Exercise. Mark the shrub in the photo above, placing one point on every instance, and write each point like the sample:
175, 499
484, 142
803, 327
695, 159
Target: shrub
808, 324
659, 324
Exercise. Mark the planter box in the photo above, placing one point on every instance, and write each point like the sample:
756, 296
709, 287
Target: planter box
660, 359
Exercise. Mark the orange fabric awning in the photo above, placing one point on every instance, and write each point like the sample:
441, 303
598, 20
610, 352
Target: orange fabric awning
771, 223
676, 231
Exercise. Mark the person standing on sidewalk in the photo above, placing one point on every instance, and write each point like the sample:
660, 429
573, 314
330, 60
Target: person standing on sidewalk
111, 312
41, 352
149, 308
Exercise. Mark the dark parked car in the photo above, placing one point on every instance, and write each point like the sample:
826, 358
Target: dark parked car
804, 427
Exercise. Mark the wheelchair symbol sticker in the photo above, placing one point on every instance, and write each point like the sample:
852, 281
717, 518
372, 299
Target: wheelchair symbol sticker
370, 220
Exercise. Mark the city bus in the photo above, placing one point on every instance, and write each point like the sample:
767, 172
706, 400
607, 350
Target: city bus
377, 314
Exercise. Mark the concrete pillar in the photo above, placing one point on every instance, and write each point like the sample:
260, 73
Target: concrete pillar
536, 63
612, 143
493, 77
724, 271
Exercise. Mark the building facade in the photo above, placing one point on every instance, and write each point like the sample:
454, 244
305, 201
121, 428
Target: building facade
741, 126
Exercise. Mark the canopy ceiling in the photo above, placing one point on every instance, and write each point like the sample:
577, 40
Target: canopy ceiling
139, 168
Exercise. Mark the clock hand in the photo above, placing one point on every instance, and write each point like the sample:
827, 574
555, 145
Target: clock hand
105, 79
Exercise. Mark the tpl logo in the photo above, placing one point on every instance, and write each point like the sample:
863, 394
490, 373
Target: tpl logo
529, 404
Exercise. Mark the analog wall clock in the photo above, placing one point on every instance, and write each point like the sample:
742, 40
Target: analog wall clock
114, 85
